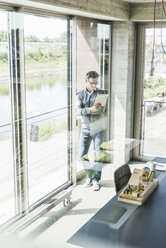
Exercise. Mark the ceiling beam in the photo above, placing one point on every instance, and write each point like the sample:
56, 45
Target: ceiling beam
106, 10
143, 12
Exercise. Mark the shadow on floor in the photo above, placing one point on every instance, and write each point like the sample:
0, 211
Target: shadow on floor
107, 183
83, 211
49, 219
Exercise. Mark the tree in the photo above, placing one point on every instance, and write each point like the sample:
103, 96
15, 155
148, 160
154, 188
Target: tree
63, 37
32, 38
46, 39
3, 36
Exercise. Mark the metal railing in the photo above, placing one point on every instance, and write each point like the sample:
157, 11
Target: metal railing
6, 127
154, 117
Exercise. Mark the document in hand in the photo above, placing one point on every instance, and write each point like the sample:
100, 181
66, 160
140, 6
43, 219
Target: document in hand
101, 98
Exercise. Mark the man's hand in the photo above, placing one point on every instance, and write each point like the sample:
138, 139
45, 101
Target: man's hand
95, 107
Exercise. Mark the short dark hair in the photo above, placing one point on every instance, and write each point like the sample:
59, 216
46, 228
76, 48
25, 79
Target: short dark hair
92, 74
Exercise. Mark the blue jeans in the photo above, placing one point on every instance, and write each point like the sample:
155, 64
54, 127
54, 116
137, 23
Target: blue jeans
86, 137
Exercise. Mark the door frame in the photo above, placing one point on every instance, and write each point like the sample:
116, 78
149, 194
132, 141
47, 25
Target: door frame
139, 86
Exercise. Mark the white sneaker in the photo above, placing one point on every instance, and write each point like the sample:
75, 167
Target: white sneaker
87, 183
96, 185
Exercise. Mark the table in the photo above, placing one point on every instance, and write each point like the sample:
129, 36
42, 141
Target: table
125, 225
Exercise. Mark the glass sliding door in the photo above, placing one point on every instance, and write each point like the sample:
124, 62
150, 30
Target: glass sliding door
48, 103
153, 133
7, 197
92, 54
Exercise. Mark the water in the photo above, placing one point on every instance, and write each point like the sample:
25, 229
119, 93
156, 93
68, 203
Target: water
38, 101
46, 99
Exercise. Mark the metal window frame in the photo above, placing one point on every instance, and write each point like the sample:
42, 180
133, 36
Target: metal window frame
18, 109
70, 126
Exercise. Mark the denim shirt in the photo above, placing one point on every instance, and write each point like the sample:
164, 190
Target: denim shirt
96, 121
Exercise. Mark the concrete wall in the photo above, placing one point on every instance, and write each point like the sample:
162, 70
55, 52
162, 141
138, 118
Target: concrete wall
87, 51
144, 12
122, 81
106, 10
111, 8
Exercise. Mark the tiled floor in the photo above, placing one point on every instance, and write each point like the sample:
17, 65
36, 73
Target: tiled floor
54, 228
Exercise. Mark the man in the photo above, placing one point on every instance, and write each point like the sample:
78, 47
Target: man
93, 125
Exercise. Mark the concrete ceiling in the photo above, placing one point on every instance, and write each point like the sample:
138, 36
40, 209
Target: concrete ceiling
140, 1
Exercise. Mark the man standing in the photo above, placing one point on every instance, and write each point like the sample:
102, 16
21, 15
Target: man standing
93, 125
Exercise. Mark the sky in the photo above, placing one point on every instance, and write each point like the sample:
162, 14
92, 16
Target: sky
3, 21
38, 26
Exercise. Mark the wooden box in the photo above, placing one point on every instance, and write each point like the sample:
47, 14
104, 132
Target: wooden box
136, 180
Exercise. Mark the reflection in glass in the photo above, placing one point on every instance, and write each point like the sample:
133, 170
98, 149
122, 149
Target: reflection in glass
93, 54
93, 47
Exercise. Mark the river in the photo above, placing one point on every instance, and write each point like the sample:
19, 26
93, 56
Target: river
38, 101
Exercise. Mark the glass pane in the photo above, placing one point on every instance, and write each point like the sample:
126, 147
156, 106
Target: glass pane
93, 41
47, 103
93, 54
154, 100
7, 203
103, 34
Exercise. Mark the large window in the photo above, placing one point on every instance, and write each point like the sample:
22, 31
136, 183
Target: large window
46, 57
37, 125
35, 109
7, 199
153, 133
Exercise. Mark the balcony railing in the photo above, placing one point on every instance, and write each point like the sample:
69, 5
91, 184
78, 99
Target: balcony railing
153, 127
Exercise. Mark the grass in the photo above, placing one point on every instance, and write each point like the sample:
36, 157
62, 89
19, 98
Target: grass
4, 68
30, 64
48, 73
34, 83
38, 82
4, 89
153, 86
48, 130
